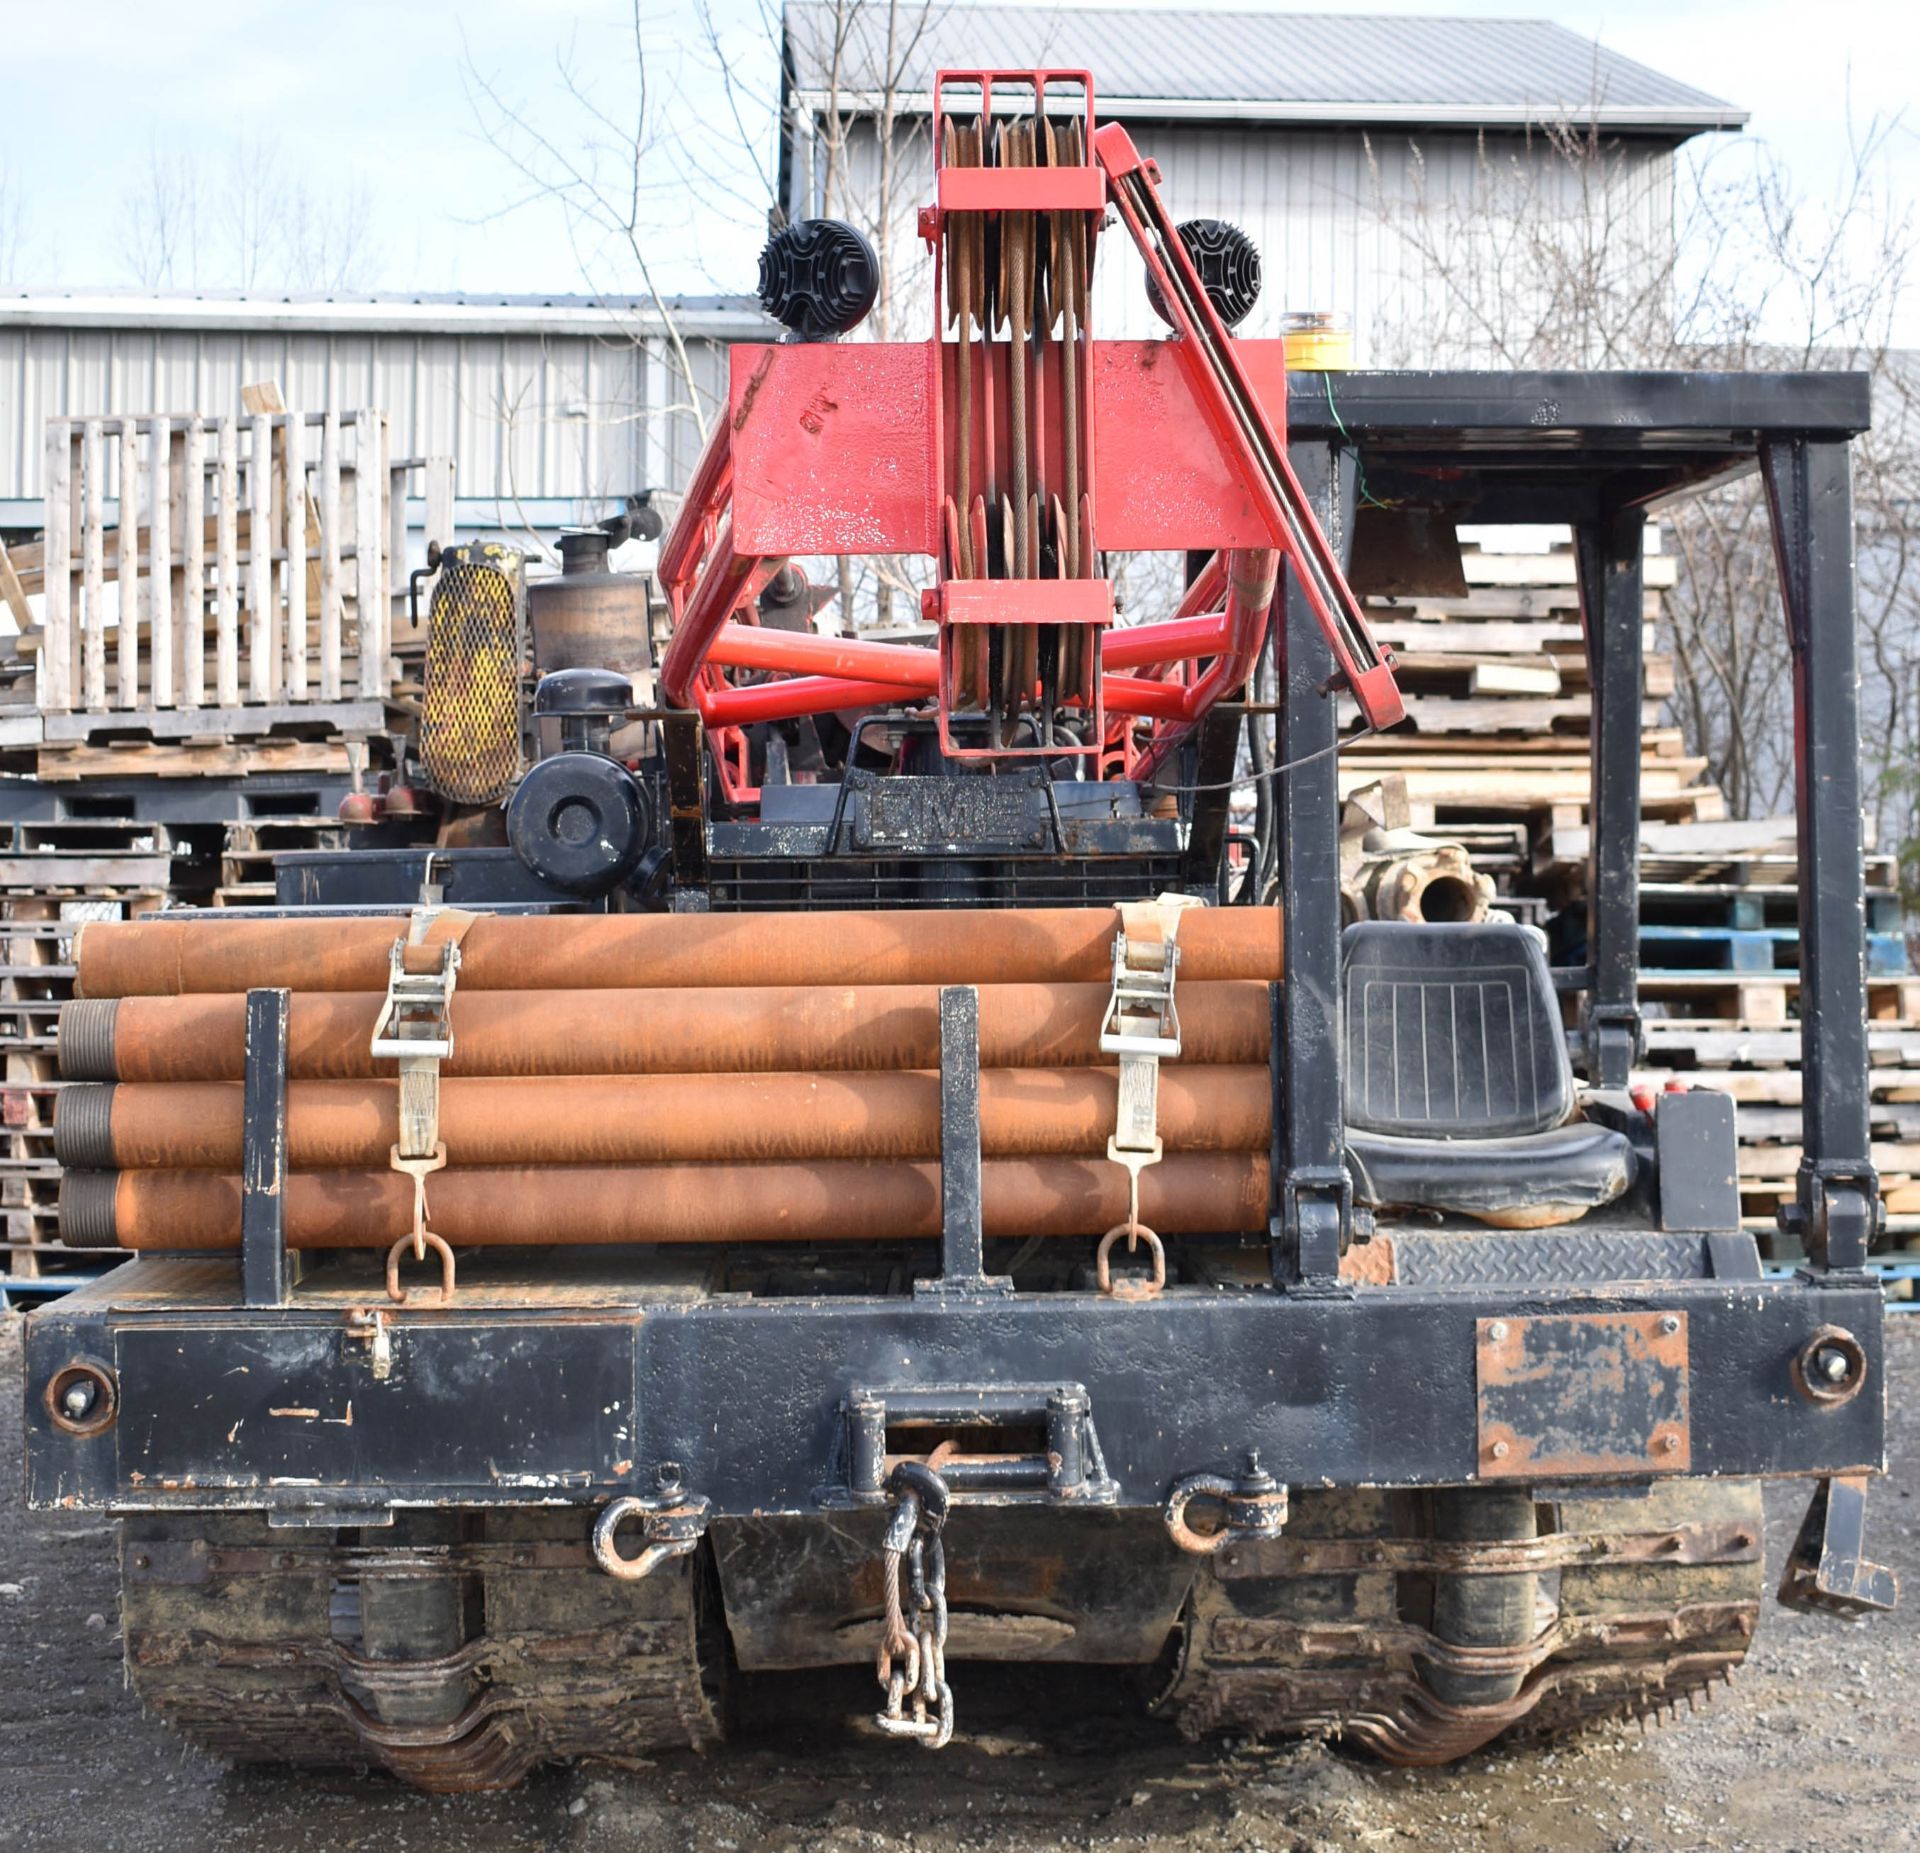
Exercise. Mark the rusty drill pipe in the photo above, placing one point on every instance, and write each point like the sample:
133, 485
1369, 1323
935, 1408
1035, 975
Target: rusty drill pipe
799, 1030
174, 1211
502, 952
658, 1119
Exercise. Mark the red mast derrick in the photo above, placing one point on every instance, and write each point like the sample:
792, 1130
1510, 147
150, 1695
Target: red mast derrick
1016, 451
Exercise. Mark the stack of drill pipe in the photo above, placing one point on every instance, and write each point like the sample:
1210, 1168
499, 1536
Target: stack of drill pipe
658, 1078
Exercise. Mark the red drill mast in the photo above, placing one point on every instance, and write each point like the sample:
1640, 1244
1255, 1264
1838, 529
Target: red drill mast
1017, 452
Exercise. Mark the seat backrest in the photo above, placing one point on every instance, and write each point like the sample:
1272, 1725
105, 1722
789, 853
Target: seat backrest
1453, 1032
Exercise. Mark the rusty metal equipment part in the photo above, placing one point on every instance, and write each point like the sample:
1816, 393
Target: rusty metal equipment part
417, 1243
1434, 882
587, 617
672, 1523
1253, 1506
83, 1397
1828, 1571
164, 957
911, 1664
472, 711
657, 1119
158, 1211
1831, 1367
1308, 1633
751, 1030
1130, 1287
235, 1638
1389, 871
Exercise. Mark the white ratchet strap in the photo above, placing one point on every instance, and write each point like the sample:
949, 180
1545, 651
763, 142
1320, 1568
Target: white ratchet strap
415, 1029
1142, 1027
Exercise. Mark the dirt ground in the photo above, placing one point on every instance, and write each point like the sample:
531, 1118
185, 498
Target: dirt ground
1815, 1747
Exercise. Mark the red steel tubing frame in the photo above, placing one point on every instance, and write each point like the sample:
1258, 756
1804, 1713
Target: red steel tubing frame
826, 674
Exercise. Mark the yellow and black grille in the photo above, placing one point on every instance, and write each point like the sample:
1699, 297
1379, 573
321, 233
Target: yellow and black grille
470, 720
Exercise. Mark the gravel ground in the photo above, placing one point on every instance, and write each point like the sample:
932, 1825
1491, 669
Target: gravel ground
1813, 1748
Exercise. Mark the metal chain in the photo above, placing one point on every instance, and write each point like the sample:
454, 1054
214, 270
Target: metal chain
912, 1662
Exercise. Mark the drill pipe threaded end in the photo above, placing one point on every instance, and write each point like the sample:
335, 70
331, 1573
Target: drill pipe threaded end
85, 1039
87, 1218
83, 1125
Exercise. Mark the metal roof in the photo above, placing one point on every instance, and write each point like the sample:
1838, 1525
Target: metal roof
1268, 67
451, 313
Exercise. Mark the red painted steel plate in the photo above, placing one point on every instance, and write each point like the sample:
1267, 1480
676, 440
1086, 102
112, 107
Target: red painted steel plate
1022, 189
833, 448
1027, 601
1568, 1395
1161, 479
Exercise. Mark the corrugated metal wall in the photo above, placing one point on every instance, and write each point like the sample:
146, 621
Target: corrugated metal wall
528, 416
1423, 242
1428, 244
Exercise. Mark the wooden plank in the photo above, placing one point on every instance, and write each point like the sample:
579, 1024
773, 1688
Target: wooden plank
264, 396
263, 604
294, 502
1513, 679
1659, 571
370, 475
330, 558
346, 717
1778, 1163
214, 760
438, 475
160, 562
394, 559
12, 593
54, 683
126, 557
193, 565
79, 871
93, 563
1554, 602
1432, 714
226, 567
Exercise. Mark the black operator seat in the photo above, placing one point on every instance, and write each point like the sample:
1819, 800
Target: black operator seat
1459, 1093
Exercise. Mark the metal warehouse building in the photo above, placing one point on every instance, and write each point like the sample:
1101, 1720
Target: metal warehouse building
550, 406
1341, 143
1351, 148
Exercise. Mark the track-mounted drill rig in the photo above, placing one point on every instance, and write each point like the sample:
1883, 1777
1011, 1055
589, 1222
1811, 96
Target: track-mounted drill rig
843, 1185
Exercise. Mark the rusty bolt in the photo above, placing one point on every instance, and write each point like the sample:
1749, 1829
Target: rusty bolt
143, 1562
1501, 1450
1497, 1330
1670, 1444
1670, 1325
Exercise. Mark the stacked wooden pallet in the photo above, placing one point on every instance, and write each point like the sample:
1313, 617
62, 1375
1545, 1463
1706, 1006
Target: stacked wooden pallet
1498, 701
249, 846
1719, 950
1496, 756
53, 877
213, 596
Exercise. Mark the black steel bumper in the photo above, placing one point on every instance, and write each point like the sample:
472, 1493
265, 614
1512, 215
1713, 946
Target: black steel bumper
786, 1406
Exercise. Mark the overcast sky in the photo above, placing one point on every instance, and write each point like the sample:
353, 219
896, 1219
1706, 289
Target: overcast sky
360, 94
